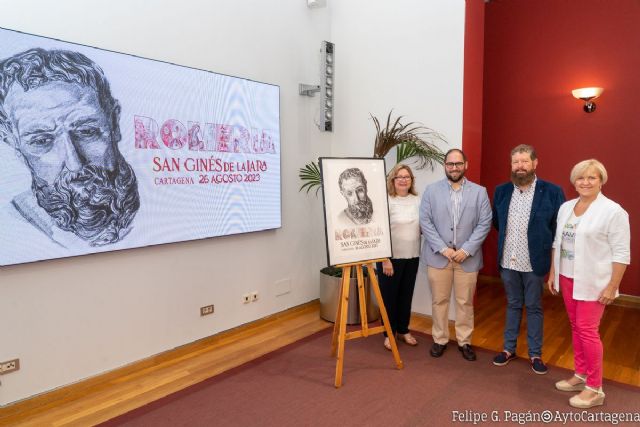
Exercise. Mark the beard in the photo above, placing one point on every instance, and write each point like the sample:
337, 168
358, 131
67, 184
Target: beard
523, 179
454, 178
94, 203
361, 211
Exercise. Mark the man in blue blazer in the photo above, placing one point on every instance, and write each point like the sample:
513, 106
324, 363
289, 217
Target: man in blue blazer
455, 218
524, 213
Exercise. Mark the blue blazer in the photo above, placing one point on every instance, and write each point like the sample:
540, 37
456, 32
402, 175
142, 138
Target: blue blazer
437, 224
542, 221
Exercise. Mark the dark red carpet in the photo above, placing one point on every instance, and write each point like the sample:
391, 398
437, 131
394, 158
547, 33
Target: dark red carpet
294, 387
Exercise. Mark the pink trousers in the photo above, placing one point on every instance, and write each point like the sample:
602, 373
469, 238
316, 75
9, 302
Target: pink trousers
584, 317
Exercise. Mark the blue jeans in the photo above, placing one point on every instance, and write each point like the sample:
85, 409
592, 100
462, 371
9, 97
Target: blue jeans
523, 290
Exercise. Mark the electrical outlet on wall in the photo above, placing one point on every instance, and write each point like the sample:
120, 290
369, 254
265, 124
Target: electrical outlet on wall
207, 309
246, 298
9, 366
254, 296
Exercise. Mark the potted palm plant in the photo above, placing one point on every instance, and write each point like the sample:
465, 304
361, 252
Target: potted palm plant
411, 140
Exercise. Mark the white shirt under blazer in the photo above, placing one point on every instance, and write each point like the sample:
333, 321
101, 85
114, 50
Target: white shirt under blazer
602, 237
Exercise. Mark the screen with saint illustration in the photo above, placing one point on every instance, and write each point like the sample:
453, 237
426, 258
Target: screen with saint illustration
103, 151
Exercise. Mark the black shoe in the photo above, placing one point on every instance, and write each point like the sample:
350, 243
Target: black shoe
503, 358
467, 352
437, 349
538, 366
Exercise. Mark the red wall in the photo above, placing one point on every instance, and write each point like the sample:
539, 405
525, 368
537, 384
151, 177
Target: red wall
535, 53
472, 86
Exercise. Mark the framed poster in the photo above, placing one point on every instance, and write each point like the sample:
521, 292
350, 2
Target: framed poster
356, 209
101, 151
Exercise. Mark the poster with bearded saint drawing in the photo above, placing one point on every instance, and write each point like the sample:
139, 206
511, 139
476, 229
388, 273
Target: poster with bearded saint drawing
356, 209
102, 151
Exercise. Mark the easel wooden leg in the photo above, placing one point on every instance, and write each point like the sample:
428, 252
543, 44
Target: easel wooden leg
342, 327
363, 301
383, 313
336, 323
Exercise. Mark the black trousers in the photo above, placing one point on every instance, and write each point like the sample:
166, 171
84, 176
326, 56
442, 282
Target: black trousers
397, 292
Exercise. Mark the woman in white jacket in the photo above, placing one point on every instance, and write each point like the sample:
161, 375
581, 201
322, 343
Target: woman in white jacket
590, 255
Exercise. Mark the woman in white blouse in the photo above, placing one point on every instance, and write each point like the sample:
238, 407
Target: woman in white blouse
398, 276
590, 255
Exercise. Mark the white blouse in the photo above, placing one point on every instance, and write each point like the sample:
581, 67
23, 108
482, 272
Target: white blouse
568, 245
404, 215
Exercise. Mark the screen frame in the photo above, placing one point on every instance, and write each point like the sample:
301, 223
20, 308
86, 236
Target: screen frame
279, 154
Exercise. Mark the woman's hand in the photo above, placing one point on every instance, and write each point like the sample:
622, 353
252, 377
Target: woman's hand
552, 288
387, 268
607, 295
552, 275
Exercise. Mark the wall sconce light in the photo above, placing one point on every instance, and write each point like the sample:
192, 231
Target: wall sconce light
587, 94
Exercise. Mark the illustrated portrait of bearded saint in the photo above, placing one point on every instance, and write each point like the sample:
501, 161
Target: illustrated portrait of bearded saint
353, 187
58, 113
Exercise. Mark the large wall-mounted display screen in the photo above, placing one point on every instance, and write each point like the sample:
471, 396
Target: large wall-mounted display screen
102, 151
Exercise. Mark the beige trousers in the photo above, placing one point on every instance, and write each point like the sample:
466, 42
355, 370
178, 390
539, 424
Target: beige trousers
442, 281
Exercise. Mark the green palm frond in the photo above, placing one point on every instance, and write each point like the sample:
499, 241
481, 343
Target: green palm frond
310, 176
412, 140
427, 156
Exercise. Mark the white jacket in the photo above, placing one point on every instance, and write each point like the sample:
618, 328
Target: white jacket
602, 237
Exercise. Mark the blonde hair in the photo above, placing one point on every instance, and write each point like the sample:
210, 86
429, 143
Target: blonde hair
579, 169
391, 188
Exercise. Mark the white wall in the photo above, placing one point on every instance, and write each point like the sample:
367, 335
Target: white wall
74, 318
406, 55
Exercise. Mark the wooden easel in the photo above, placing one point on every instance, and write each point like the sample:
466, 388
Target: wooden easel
340, 334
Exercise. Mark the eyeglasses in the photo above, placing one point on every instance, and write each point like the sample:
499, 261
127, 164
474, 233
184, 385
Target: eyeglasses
402, 178
452, 165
